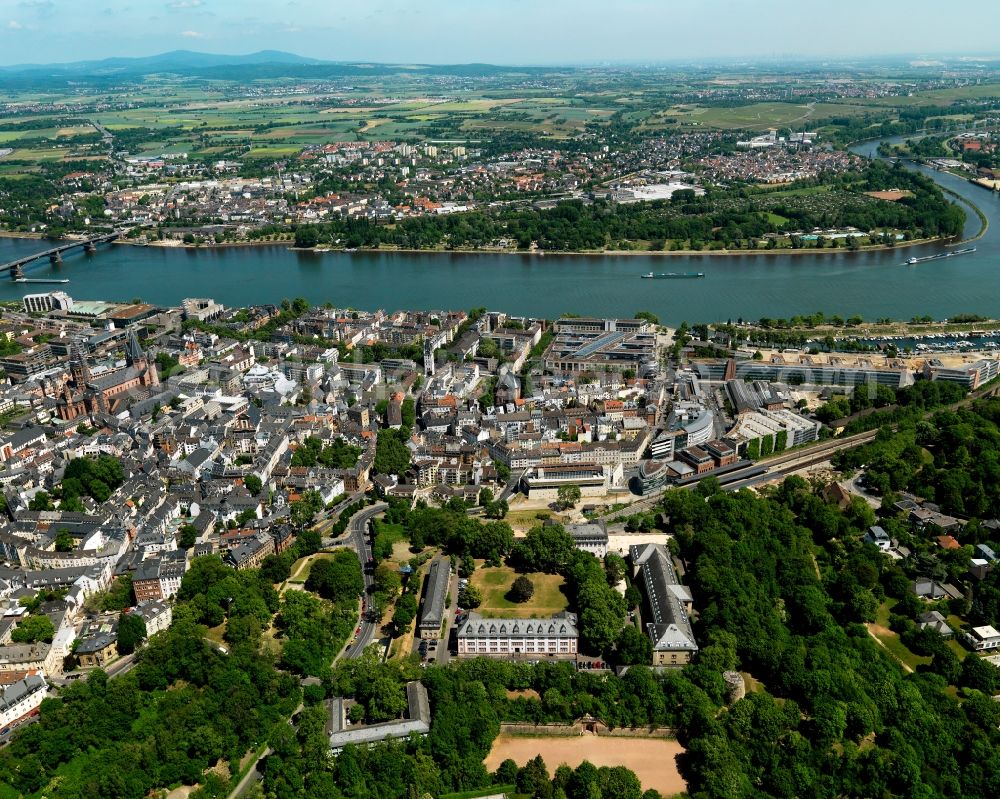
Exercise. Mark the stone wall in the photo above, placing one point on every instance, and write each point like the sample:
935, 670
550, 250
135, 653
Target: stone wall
567, 730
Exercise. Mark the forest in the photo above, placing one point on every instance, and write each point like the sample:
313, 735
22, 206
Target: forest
950, 459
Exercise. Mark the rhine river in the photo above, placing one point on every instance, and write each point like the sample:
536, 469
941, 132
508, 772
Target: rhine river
872, 284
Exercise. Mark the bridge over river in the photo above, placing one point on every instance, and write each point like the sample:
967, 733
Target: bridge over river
54, 254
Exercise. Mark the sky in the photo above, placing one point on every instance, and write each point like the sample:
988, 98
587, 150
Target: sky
491, 31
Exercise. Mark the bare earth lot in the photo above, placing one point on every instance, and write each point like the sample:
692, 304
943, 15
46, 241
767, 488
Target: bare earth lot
654, 760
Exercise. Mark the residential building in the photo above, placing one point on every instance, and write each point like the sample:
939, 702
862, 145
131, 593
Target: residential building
982, 638
21, 699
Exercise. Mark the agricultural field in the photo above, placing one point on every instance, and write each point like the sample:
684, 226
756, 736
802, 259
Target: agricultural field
755, 117
276, 118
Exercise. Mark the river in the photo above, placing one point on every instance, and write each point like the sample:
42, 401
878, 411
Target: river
872, 284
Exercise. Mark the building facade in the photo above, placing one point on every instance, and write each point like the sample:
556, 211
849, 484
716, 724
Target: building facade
556, 636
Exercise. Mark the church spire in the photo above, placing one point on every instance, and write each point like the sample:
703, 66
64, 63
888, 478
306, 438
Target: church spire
133, 351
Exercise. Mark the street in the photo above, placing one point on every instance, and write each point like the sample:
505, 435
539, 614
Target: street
357, 531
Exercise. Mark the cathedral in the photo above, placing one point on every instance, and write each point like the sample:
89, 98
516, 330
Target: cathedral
83, 394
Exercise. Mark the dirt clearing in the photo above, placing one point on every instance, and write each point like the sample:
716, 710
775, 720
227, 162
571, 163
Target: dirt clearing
654, 760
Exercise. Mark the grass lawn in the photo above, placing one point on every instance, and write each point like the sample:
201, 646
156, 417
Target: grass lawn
301, 567
495, 581
524, 520
890, 640
215, 634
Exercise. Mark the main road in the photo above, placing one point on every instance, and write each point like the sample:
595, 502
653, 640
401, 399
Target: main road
358, 534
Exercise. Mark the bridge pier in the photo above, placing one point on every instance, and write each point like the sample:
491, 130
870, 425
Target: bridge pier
90, 248
55, 258
16, 273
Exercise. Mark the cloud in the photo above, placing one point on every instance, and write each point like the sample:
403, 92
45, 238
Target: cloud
180, 5
14, 25
192, 35
41, 6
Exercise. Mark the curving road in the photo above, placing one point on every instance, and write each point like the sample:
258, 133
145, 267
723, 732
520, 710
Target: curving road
357, 531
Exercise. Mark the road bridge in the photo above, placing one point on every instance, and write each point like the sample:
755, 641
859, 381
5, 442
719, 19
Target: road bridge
54, 254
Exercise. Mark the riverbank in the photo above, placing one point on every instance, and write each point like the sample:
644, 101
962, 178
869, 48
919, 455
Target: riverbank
175, 244
603, 253
16, 234
984, 221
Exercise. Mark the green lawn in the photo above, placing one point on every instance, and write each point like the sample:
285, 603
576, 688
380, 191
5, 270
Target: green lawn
890, 640
495, 582
301, 567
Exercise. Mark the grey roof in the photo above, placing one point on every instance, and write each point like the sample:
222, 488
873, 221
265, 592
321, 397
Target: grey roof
925, 587
671, 627
594, 531
17, 691
561, 625
95, 643
418, 720
877, 533
933, 620
435, 593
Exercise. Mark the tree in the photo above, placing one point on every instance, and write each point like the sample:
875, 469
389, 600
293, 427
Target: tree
634, 647
615, 568
276, 568
546, 548
306, 236
485, 497
387, 580
253, 484
34, 629
466, 566
131, 632
568, 496
64, 541
405, 613
307, 542
470, 597
187, 536
533, 779
304, 511
522, 589
119, 595
338, 579
391, 453
41, 501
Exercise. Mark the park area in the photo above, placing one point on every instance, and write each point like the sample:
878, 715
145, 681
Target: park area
494, 583
654, 760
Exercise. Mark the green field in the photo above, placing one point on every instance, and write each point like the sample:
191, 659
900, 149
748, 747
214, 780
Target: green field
495, 582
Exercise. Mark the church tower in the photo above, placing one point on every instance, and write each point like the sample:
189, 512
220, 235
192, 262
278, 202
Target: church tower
136, 358
78, 365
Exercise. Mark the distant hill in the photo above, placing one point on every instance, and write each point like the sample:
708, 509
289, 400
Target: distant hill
264, 65
183, 61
